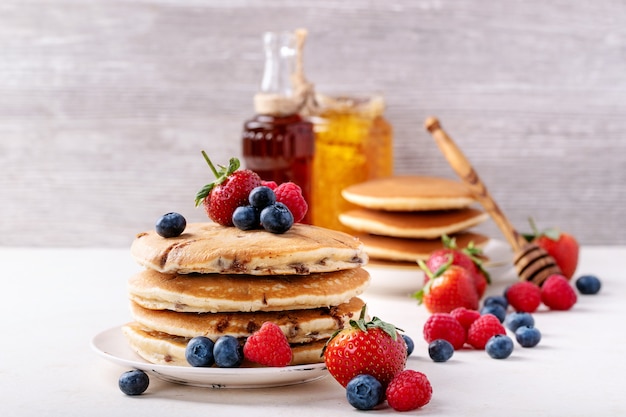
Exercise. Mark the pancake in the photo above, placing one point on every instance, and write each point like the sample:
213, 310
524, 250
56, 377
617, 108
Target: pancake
409, 193
211, 248
234, 292
165, 349
298, 325
410, 250
422, 225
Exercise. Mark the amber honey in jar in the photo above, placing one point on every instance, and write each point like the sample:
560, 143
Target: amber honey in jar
353, 143
278, 142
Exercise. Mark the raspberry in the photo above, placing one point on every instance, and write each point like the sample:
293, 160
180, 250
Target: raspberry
465, 316
483, 329
409, 390
524, 296
290, 194
268, 346
557, 293
269, 184
444, 326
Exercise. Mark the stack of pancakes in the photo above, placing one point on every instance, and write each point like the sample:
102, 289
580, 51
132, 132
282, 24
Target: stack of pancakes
214, 280
403, 218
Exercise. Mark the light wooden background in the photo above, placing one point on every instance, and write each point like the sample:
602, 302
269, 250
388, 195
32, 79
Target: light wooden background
106, 104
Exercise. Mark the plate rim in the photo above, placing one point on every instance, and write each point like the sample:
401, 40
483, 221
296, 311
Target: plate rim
209, 377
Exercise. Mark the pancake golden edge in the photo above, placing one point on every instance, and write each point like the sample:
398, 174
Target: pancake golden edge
164, 349
409, 193
299, 326
211, 248
410, 250
422, 225
232, 293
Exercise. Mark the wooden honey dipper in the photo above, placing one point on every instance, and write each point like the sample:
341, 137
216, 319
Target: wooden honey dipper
532, 262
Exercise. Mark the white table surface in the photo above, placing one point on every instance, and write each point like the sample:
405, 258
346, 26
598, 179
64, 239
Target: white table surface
55, 300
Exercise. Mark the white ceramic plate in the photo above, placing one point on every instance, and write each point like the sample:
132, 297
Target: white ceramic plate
111, 345
406, 279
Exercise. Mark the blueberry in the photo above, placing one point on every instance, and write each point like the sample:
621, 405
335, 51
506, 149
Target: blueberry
496, 299
527, 336
364, 392
440, 350
199, 352
227, 352
246, 218
171, 225
134, 382
410, 346
517, 319
588, 284
261, 197
276, 218
499, 346
495, 309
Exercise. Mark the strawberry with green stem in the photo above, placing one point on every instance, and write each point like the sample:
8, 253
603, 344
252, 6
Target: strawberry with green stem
229, 190
449, 287
367, 347
468, 258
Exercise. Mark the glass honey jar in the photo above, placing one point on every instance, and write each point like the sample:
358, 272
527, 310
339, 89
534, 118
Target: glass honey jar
353, 144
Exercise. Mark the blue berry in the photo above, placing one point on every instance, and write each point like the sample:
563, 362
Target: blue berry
499, 346
276, 218
246, 218
496, 299
261, 197
517, 319
227, 352
199, 352
527, 336
410, 346
440, 350
588, 284
495, 309
170, 225
134, 382
364, 392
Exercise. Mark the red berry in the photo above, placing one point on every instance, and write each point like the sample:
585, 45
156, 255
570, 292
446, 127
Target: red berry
465, 316
268, 346
409, 390
557, 293
524, 296
483, 329
229, 190
290, 194
269, 184
444, 326
451, 286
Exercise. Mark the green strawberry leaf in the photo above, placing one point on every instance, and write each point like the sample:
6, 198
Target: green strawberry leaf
220, 176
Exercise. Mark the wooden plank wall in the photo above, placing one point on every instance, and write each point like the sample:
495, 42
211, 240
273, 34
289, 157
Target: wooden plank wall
106, 104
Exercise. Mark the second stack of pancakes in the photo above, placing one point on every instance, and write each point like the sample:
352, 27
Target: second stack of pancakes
402, 219
214, 281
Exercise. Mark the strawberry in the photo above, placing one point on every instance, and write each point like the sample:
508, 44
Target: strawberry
467, 258
444, 326
483, 329
563, 247
230, 190
524, 296
374, 347
451, 286
408, 391
268, 346
557, 293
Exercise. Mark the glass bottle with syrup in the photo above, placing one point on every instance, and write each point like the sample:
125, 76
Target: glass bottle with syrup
278, 143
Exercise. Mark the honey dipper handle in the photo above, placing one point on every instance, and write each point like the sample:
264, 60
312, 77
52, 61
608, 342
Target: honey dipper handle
466, 172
